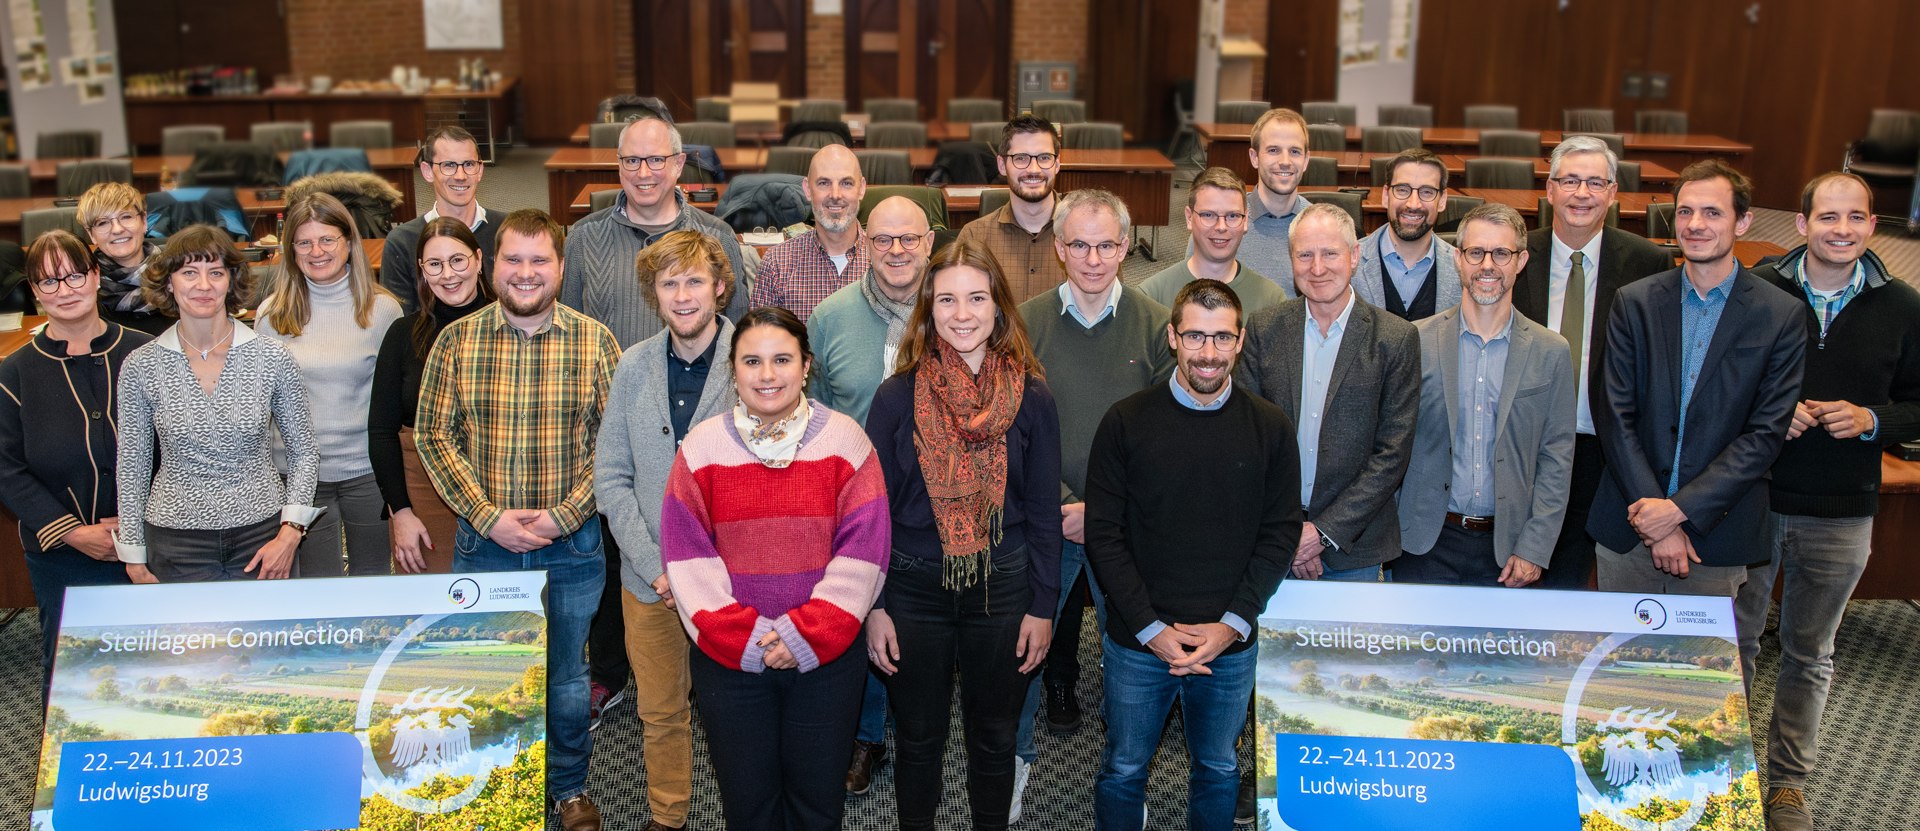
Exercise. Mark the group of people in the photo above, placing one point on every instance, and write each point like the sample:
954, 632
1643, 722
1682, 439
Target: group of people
832, 488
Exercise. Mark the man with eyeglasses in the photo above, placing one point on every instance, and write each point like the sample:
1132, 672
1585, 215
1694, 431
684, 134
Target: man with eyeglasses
800, 272
1279, 156
1493, 454
602, 248
1217, 220
1580, 257
1701, 376
1405, 267
450, 162
1020, 234
1190, 538
115, 218
1099, 340
855, 334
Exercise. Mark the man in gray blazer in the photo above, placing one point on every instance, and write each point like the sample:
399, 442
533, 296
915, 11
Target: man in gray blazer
663, 386
1493, 455
1406, 268
1347, 374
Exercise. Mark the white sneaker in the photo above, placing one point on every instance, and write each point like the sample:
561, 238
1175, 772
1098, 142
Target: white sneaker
1022, 769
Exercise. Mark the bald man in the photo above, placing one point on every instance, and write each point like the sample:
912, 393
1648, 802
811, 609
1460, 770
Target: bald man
799, 273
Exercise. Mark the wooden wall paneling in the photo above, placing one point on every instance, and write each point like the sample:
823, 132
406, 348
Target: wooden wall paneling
147, 33
567, 50
667, 67
881, 48
164, 35
1705, 46
1588, 50
769, 43
1303, 56
1171, 50
974, 54
1115, 72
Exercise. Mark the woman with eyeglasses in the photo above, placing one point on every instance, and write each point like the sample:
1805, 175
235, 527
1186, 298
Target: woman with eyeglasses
969, 440
200, 496
57, 433
115, 218
325, 307
452, 284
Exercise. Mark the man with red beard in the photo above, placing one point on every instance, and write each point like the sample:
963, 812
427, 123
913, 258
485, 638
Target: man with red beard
1020, 234
799, 273
1405, 267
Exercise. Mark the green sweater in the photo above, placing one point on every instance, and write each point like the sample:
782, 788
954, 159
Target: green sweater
849, 342
1090, 369
1255, 292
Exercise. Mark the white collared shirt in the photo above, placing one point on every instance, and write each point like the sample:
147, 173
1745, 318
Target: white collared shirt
1067, 306
1317, 355
1559, 267
479, 215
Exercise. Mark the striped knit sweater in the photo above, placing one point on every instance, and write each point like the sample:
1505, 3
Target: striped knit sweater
800, 550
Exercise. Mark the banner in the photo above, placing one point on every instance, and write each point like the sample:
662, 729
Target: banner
1392, 706
384, 703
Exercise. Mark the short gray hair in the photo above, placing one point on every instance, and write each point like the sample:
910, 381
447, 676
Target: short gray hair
673, 133
1498, 214
1583, 144
1324, 210
1092, 198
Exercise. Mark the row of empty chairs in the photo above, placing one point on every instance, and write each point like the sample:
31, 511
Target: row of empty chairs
1479, 116
713, 109
282, 136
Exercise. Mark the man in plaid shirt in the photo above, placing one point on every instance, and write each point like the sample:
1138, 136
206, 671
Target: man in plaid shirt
510, 402
799, 273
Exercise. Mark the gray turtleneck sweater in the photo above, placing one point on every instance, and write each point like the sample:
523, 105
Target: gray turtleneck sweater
336, 359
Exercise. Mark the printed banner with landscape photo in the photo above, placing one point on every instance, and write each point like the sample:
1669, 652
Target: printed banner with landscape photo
1390, 706
405, 703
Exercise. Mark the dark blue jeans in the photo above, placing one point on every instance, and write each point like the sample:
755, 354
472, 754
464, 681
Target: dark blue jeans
975, 629
576, 572
781, 739
1213, 708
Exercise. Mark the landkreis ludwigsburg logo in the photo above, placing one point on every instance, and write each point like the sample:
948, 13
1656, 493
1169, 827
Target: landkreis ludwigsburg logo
464, 593
1651, 613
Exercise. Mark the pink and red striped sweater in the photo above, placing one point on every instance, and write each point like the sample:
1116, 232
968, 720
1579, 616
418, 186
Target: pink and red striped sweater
800, 550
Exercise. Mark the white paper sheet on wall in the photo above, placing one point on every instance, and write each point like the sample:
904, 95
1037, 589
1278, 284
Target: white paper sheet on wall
463, 24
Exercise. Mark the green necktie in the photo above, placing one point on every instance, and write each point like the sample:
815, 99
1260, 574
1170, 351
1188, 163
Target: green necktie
1573, 315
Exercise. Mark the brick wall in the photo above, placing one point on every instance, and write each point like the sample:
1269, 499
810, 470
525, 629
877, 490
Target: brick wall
363, 39
826, 55
1050, 30
623, 56
1248, 19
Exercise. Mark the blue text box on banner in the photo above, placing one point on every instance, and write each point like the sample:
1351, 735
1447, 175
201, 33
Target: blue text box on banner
241, 783
1340, 783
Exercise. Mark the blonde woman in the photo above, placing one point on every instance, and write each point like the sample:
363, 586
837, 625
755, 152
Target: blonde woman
326, 309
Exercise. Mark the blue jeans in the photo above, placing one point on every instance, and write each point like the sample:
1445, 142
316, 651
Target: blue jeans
1073, 558
873, 706
576, 573
1363, 574
1213, 708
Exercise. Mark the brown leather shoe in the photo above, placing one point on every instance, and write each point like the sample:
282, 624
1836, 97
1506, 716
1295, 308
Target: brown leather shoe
578, 814
867, 758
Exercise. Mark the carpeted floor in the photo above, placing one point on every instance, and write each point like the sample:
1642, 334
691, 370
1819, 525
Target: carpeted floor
1864, 782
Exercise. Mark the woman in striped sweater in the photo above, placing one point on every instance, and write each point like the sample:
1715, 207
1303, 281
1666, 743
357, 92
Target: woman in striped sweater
774, 536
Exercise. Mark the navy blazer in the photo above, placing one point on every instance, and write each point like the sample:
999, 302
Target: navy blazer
1736, 421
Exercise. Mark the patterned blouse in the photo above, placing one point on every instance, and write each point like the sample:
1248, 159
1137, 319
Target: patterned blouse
215, 468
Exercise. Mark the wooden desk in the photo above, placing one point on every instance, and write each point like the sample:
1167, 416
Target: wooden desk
16, 588
961, 207
570, 169
1890, 574
394, 164
411, 114
253, 206
373, 248
1356, 167
1633, 206
1373, 206
1227, 146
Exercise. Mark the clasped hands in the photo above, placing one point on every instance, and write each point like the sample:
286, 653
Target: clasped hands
1658, 522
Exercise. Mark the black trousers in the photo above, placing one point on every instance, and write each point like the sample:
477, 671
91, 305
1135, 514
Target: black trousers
781, 739
1572, 563
1459, 558
176, 555
607, 639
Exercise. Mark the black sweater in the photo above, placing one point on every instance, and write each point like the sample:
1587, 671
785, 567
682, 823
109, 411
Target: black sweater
396, 395
58, 440
1191, 514
1870, 357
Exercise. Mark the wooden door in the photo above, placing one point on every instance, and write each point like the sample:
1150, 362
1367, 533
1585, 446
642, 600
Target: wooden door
1138, 53
566, 66
884, 46
763, 41
928, 50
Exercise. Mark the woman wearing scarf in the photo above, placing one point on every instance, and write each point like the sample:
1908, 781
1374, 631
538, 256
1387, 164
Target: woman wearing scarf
774, 537
968, 437
115, 218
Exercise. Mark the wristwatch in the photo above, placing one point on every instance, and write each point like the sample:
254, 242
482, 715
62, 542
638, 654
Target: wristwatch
288, 523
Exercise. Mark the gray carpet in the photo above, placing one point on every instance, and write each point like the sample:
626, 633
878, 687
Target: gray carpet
1864, 782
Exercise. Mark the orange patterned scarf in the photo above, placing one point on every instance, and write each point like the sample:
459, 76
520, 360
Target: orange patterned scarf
960, 431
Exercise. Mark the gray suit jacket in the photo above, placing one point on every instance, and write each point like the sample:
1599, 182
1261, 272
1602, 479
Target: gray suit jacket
1369, 275
1367, 428
1533, 440
636, 449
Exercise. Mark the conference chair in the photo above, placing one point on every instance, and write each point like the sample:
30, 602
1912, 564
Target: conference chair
628, 107
1510, 174
1586, 120
606, 135
931, 200
185, 139
1544, 214
1405, 115
905, 135
1095, 135
15, 183
1492, 117
73, 178
601, 200
1326, 137
1510, 143
235, 164
1890, 151
792, 160
971, 110
1614, 141
987, 131
1457, 207
282, 136
304, 163
1660, 220
1321, 171
1330, 112
709, 133
708, 108
1061, 111
36, 222
368, 134
820, 109
67, 144
1241, 112
1665, 122
1382, 171
1351, 202
993, 199
892, 109
1628, 177
1389, 139
885, 167
171, 210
